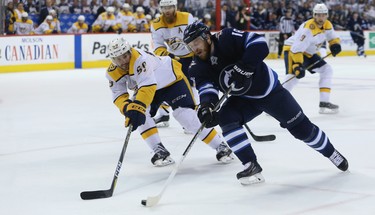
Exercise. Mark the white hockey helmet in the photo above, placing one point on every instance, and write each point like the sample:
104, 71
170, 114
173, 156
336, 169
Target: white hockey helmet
52, 12
24, 15
49, 18
320, 8
110, 10
165, 3
207, 16
118, 47
126, 6
140, 10
81, 18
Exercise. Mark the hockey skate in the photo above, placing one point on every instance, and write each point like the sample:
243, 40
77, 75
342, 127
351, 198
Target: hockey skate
328, 108
224, 153
162, 121
339, 161
161, 157
251, 175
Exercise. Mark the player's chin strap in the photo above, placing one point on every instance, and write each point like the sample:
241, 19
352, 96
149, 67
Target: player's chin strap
309, 67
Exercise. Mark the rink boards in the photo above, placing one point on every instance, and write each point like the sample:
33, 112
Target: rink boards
68, 51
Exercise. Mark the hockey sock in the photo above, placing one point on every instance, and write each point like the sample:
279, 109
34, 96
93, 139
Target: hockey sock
240, 144
320, 142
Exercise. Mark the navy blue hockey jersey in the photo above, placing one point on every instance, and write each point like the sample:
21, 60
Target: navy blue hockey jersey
231, 46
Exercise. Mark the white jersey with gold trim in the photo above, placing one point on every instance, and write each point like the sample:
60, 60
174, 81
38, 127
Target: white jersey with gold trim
309, 37
169, 37
145, 70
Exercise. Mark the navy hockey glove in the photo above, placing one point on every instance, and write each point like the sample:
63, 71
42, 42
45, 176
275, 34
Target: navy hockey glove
335, 49
241, 76
135, 114
208, 116
298, 70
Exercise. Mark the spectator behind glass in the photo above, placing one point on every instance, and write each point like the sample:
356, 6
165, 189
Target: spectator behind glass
85, 7
154, 8
94, 6
102, 8
63, 7
31, 7
75, 8
19, 10
45, 11
227, 18
242, 18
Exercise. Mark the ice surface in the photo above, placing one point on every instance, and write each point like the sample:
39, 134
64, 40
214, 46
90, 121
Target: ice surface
60, 135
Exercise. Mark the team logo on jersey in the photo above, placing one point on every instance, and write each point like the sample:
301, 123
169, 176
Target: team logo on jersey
225, 78
213, 60
312, 26
175, 43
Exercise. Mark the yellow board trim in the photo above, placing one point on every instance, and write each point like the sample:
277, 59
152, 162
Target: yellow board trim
36, 67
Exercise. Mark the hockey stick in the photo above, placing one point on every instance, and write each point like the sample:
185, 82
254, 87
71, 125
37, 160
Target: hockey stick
98, 194
258, 138
153, 200
309, 67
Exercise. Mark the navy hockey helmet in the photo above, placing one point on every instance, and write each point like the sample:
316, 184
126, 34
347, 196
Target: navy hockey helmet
194, 30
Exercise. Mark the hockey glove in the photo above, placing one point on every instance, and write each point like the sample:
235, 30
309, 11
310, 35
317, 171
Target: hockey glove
298, 71
241, 76
135, 114
208, 116
335, 49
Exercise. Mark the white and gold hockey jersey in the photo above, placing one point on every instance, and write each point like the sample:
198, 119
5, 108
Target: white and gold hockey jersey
309, 38
147, 73
126, 20
104, 22
168, 38
78, 28
24, 28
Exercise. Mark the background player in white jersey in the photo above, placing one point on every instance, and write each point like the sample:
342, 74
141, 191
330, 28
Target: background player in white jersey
301, 49
24, 26
79, 27
167, 35
155, 80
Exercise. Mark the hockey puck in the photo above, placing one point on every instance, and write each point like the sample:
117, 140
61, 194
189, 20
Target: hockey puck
143, 202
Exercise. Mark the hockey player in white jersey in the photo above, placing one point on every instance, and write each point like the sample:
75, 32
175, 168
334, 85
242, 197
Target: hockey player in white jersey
167, 34
154, 80
301, 49
24, 26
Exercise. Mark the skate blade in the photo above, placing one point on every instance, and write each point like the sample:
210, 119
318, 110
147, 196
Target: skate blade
328, 111
226, 159
162, 125
254, 179
167, 161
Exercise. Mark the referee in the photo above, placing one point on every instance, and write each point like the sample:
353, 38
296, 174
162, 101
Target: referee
286, 29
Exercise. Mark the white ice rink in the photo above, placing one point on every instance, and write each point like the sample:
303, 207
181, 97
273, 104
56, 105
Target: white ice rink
60, 135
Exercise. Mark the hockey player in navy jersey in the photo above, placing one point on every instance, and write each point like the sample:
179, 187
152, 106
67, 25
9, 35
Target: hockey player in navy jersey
233, 56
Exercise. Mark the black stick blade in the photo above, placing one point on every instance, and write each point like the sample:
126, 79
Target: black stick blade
99, 194
264, 138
